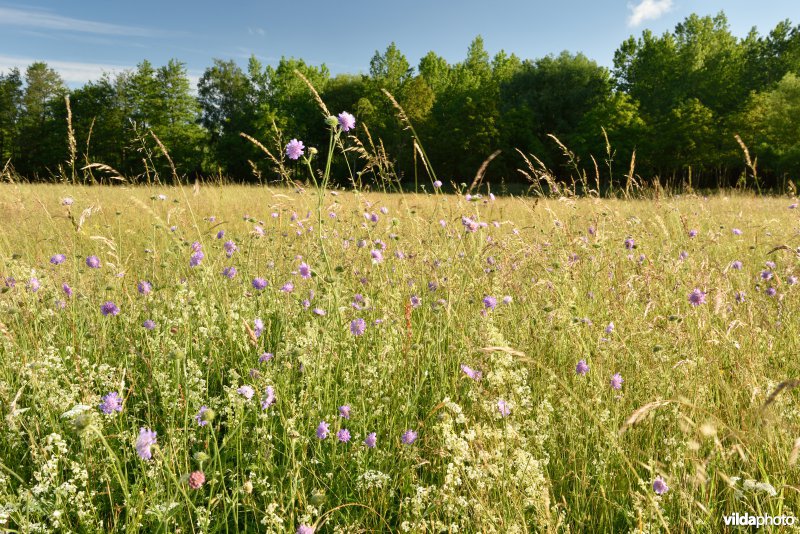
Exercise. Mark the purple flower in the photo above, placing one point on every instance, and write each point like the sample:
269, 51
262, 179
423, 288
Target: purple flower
305, 271
358, 326
408, 437
201, 418
196, 258
415, 301
736, 231
149, 324
346, 121
144, 287
93, 262
269, 398
659, 486
305, 529
229, 272
616, 381
67, 201
344, 411
343, 435
692, 233
507, 300
737, 265
259, 283
739, 296
470, 372
322, 430
288, 287
697, 297
371, 440
220, 234
377, 256
265, 357
683, 255
109, 308
147, 438
503, 408
489, 302
111, 403
197, 246
766, 275
630, 243
319, 311
258, 327
58, 259
610, 327
294, 149
66, 289
230, 247
791, 280
582, 368
246, 391
437, 184
771, 291
34, 284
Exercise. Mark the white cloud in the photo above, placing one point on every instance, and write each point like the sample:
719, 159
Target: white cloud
73, 72
45, 20
648, 10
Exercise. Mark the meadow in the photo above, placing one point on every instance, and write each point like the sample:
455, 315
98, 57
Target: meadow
266, 359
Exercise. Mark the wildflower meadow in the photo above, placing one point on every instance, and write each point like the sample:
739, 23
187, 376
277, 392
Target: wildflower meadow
305, 359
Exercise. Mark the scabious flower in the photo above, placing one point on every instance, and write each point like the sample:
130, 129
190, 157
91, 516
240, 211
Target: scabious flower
358, 326
93, 262
766, 275
246, 391
737, 265
269, 398
147, 438
144, 287
659, 486
322, 430
197, 479
305, 271
616, 381
736, 231
582, 368
377, 256
503, 408
507, 300
437, 184
739, 296
771, 291
202, 416
470, 372
697, 297
408, 437
265, 357
343, 435
630, 243
610, 327
415, 301
344, 411
149, 324
692, 233
489, 302
288, 287
230, 247
67, 201
58, 259
371, 440
34, 284
294, 149
683, 255
109, 308
319, 311
229, 272
111, 403
196, 258
346, 121
259, 283
791, 280
66, 289
305, 529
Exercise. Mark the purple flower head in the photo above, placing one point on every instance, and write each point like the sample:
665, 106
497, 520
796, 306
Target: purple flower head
220, 234
771, 291
697, 297
149, 324
147, 438
196, 258
609, 328
259, 283
489, 302
683, 255
269, 398
305, 271
265, 357
582, 368
288, 287
358, 326
437, 184
692, 233
196, 246
616, 381
144, 287
377, 256
344, 411
630, 243
109, 308
201, 418
322, 430
258, 327
305, 529
371, 440
415, 301
246, 391
346, 121
34, 284
736, 231
319, 311
507, 300
408, 437
67, 201
294, 149
770, 264
766, 275
111, 403
470, 372
229, 272
66, 289
791, 280
58, 259
737, 265
93, 262
503, 408
343, 435
739, 296
659, 486
230, 247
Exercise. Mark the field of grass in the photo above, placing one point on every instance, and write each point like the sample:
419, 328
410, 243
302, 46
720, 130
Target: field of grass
453, 331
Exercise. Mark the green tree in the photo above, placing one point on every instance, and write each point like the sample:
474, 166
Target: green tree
10, 110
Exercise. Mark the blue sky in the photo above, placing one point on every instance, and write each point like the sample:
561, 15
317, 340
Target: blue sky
81, 39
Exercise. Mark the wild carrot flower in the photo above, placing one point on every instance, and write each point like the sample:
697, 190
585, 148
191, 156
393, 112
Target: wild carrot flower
659, 486
147, 438
697, 297
111, 403
294, 149
346, 121
616, 381
408, 437
582, 368
322, 430
109, 308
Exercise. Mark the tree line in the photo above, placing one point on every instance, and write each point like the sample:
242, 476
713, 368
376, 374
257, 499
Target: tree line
681, 107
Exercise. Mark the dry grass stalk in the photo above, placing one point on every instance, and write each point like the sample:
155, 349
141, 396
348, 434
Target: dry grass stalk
640, 413
482, 170
166, 155
786, 385
314, 92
